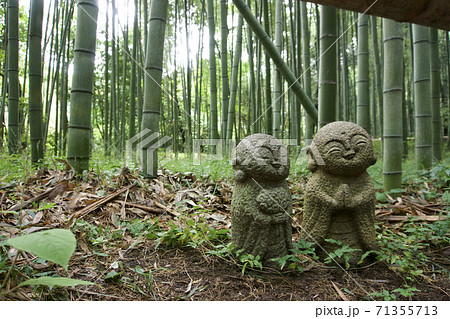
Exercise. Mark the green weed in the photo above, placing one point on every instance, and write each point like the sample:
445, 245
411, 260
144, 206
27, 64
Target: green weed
344, 252
195, 234
302, 254
97, 236
405, 291
248, 261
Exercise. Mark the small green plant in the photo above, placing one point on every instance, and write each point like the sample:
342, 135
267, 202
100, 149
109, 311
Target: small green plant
148, 278
97, 235
384, 295
221, 250
343, 252
405, 291
302, 254
248, 260
55, 245
196, 234
405, 249
138, 227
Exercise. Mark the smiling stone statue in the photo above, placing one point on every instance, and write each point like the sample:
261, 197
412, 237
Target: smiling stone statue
261, 204
339, 197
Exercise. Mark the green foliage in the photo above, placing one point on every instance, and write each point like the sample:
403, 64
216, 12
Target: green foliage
55, 245
405, 250
405, 291
209, 168
303, 253
148, 278
437, 177
14, 168
138, 227
248, 261
343, 252
195, 234
97, 235
383, 198
384, 295
222, 250
55, 281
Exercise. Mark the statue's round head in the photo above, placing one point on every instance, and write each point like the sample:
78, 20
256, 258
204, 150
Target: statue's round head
341, 148
261, 157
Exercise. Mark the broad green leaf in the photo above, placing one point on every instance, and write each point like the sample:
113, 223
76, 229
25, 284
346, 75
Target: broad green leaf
55, 281
112, 275
55, 245
381, 197
446, 197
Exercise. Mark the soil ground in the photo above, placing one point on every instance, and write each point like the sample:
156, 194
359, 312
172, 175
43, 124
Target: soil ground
181, 273
186, 274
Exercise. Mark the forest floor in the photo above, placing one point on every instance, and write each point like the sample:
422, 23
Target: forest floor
168, 239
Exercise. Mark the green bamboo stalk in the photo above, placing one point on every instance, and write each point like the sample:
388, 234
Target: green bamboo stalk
267, 87
234, 78
79, 135
277, 81
114, 83
133, 85
224, 65
378, 77
13, 76
422, 97
306, 60
153, 80
435, 95
188, 102
106, 136
392, 101
362, 101
35, 83
344, 73
214, 133
251, 81
3, 94
447, 44
174, 88
327, 70
123, 107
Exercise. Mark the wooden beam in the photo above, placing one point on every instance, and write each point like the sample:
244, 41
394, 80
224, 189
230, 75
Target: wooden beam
431, 13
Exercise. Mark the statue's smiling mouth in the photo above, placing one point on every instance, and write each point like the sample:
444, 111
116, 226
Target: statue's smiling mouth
276, 165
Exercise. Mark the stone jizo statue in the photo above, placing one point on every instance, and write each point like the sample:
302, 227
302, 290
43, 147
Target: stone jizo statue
261, 205
339, 197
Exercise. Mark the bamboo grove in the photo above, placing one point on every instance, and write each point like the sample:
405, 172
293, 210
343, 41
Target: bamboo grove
79, 76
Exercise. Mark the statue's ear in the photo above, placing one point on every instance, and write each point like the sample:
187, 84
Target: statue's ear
239, 169
239, 175
312, 162
373, 160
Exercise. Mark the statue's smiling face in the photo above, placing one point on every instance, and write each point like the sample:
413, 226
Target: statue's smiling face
272, 162
261, 157
346, 150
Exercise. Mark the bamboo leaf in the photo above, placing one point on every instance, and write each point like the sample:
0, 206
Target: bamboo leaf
55, 245
55, 281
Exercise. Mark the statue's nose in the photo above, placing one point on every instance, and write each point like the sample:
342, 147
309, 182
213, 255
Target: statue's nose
349, 154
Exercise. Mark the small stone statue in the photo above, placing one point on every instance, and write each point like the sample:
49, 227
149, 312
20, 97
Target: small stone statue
339, 197
261, 205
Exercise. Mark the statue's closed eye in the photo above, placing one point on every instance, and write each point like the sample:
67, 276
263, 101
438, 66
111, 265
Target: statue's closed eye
334, 149
264, 153
359, 141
